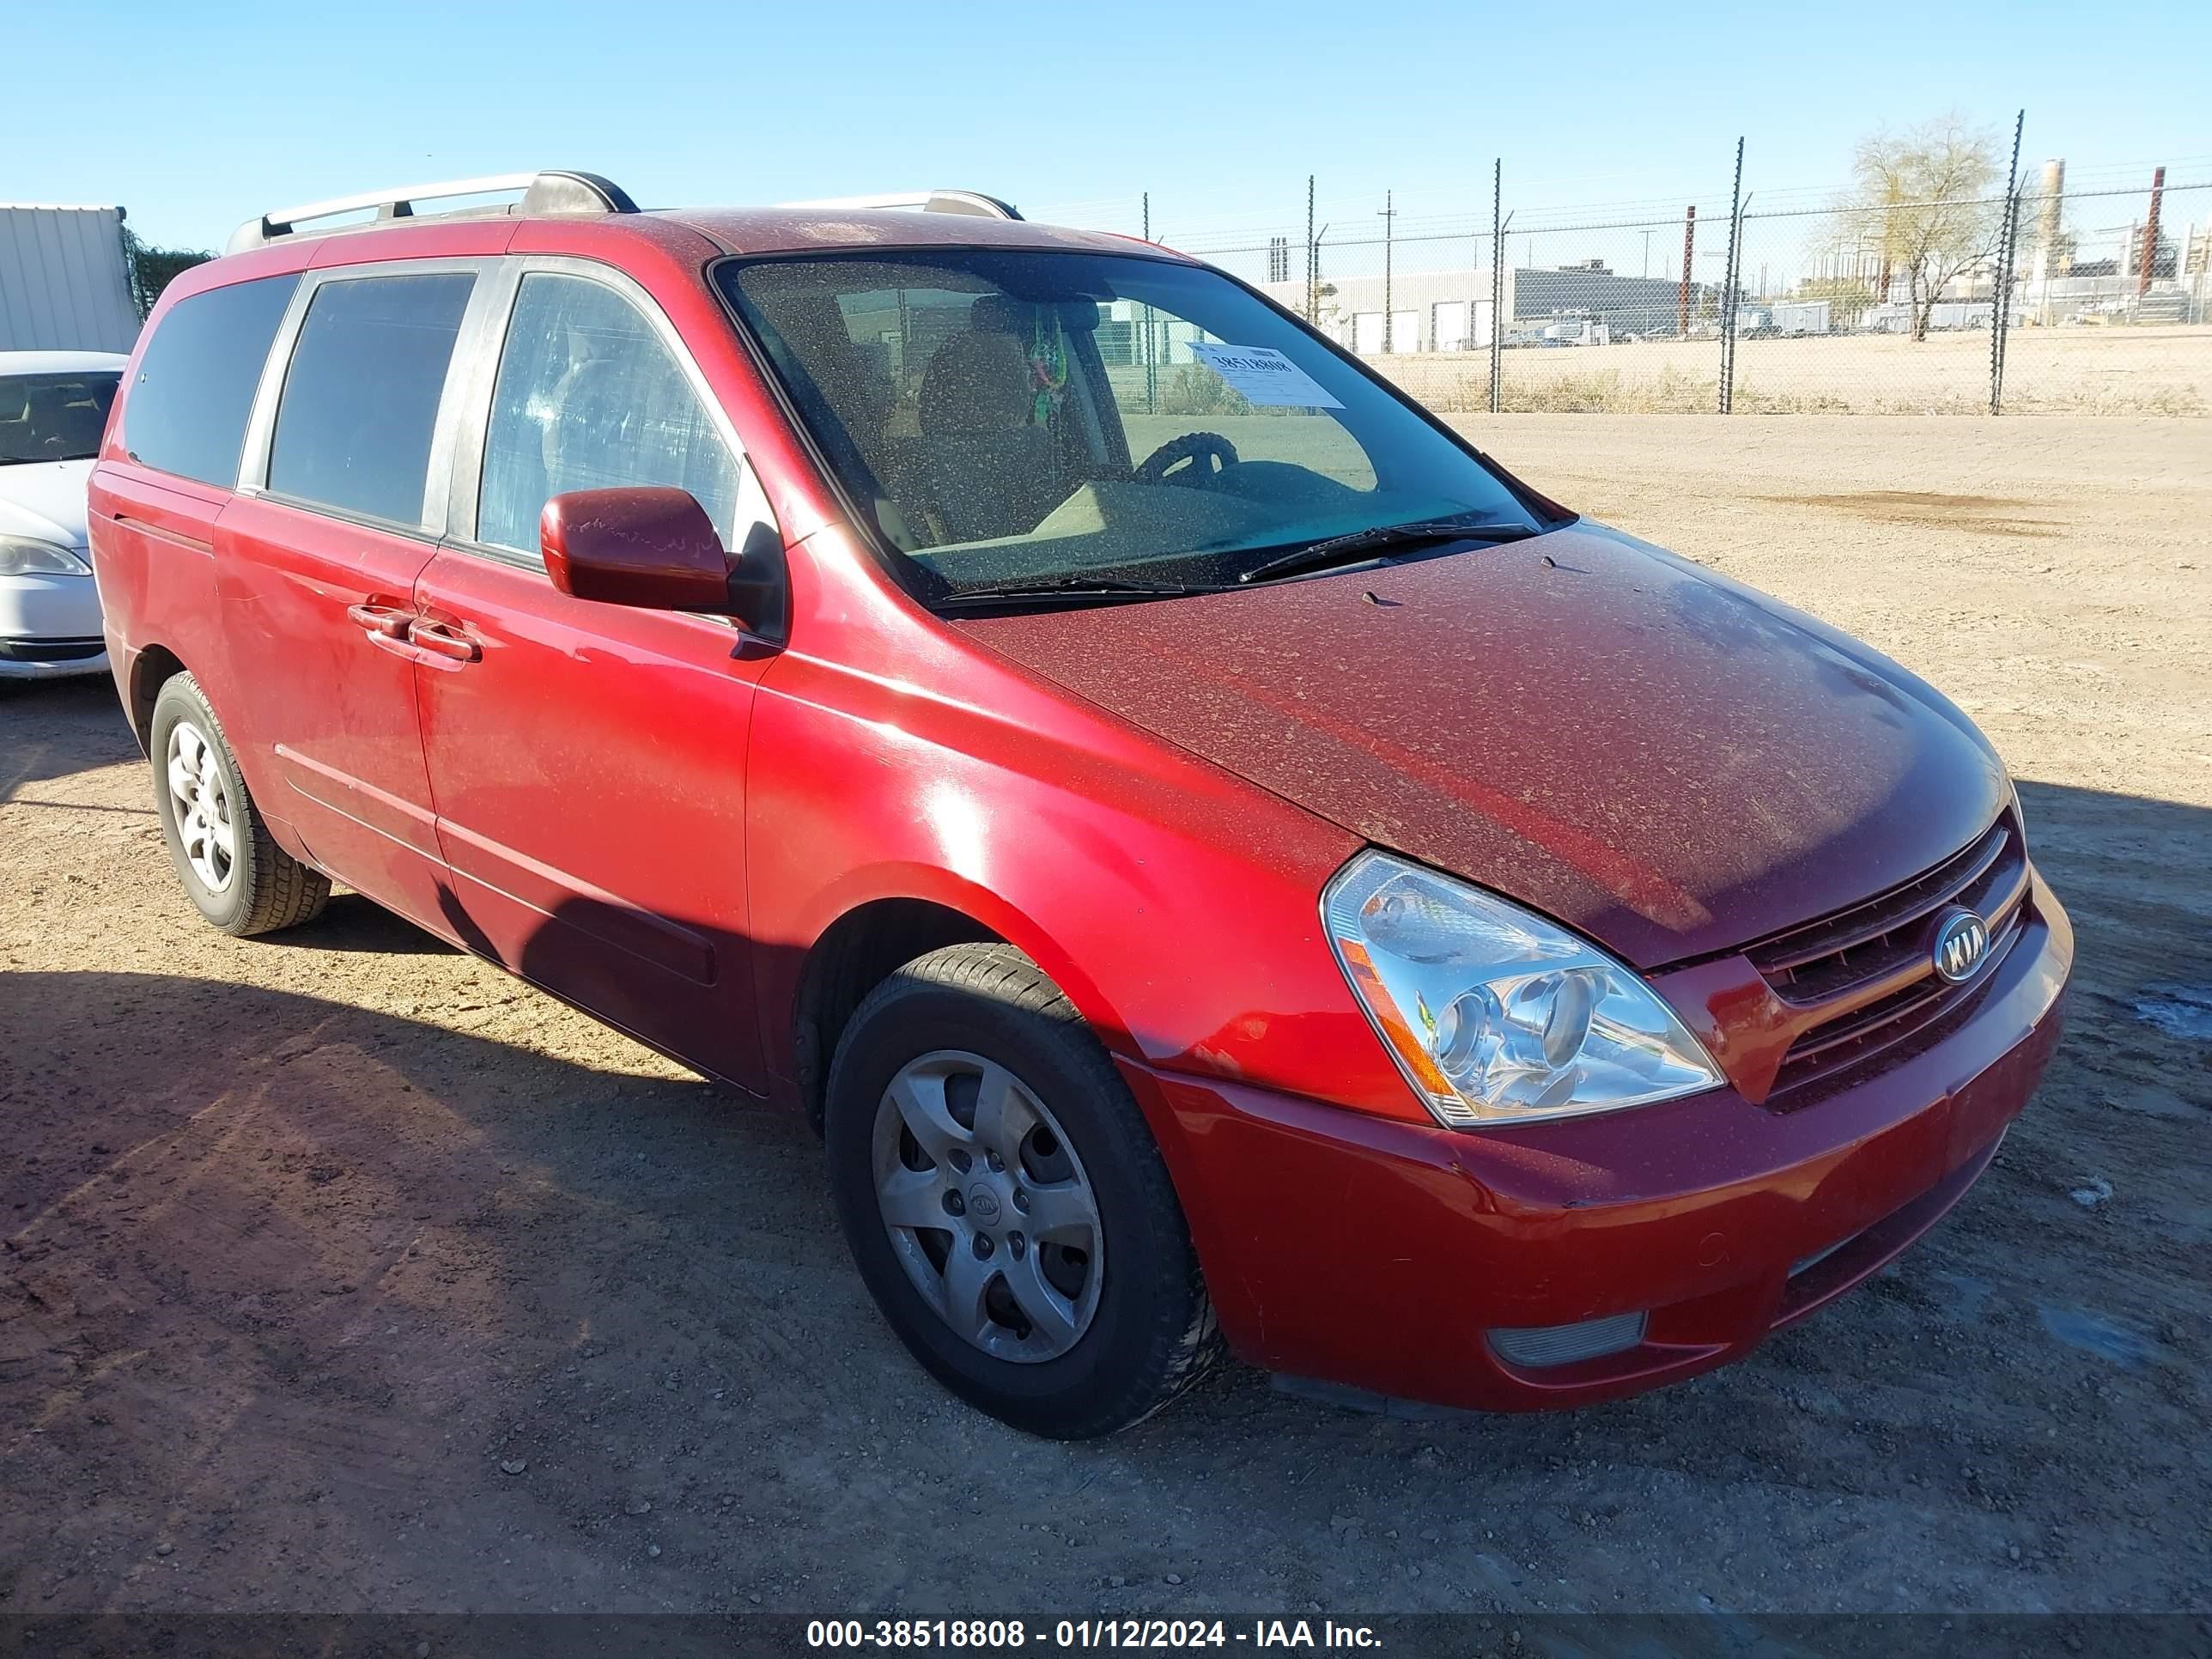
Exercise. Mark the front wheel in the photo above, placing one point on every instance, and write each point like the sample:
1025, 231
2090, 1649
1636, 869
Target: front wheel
1004, 1202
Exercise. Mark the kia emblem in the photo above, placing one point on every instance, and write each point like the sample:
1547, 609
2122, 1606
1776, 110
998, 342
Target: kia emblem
1962, 940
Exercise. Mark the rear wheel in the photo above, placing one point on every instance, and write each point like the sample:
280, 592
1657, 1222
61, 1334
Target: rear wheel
1004, 1201
233, 870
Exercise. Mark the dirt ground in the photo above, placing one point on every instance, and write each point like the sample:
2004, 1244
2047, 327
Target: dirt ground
343, 1273
2146, 370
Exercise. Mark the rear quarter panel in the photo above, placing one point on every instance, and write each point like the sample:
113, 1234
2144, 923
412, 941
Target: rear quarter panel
153, 555
153, 533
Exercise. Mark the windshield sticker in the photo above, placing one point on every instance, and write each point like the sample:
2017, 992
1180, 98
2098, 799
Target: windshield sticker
1264, 375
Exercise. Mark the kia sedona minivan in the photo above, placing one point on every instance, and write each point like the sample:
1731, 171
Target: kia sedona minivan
1221, 863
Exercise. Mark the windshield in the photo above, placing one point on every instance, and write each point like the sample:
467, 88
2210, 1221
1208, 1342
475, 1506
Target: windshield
1017, 418
54, 416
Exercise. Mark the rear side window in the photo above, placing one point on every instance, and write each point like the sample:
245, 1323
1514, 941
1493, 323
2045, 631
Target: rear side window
361, 399
187, 408
589, 398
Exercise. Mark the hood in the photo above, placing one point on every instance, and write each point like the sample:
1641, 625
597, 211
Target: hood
44, 500
1660, 757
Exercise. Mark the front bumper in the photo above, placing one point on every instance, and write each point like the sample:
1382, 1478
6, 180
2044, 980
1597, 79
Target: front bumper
49, 627
1380, 1256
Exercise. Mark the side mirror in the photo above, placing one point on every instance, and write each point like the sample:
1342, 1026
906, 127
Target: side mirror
655, 548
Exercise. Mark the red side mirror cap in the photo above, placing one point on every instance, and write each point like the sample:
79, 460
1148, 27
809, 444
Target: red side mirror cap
650, 547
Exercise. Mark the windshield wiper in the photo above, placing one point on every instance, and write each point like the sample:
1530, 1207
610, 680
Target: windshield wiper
1074, 587
1361, 545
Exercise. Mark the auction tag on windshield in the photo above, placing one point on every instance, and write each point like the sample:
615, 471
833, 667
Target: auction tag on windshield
1264, 375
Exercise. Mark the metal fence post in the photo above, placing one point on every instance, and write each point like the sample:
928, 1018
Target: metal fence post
1728, 287
1313, 275
2001, 311
1735, 294
1496, 278
1151, 368
1689, 251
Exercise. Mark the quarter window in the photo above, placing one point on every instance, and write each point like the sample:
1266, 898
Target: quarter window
361, 399
188, 405
589, 398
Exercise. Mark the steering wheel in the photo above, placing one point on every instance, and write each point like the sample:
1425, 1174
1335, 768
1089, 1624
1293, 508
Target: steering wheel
1204, 457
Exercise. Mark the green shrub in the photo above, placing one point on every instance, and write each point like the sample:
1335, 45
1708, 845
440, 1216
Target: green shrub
152, 269
1195, 389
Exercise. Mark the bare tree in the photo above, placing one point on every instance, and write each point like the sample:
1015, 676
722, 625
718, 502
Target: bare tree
1924, 198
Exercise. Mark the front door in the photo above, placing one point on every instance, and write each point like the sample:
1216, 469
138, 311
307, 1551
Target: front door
588, 761
316, 566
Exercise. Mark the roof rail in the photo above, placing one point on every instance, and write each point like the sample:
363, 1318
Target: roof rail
973, 203
549, 194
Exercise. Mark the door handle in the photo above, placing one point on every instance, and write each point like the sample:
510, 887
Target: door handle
387, 620
442, 638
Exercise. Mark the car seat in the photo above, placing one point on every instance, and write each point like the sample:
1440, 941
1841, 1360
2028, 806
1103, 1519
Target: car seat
982, 467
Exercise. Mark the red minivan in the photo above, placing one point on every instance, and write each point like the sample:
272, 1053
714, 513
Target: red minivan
1220, 861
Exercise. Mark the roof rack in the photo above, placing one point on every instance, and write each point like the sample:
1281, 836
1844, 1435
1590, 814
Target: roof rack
972, 202
549, 194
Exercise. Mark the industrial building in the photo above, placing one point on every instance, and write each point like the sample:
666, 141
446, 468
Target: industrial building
1450, 310
2138, 275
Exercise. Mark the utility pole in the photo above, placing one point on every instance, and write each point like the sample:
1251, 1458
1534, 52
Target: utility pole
1388, 216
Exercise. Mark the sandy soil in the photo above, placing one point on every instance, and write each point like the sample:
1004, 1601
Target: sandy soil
341, 1272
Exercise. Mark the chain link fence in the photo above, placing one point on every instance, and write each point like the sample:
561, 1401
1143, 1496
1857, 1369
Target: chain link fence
2039, 301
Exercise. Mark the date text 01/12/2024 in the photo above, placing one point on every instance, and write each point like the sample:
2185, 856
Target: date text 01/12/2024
987, 1635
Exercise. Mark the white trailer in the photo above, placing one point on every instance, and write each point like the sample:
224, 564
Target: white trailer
1802, 317
64, 280
1577, 331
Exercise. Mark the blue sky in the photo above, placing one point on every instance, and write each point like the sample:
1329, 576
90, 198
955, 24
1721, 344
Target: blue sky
195, 116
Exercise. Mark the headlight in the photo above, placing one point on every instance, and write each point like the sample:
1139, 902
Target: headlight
1494, 1014
22, 556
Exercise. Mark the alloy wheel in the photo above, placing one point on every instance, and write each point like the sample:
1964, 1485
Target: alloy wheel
201, 806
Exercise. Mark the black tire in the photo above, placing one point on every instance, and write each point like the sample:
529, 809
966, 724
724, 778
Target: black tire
1152, 1333
267, 888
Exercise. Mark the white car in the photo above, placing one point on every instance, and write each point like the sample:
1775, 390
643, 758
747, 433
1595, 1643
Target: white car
53, 408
